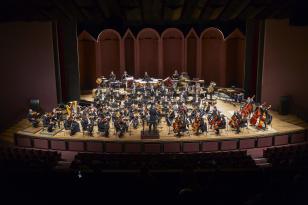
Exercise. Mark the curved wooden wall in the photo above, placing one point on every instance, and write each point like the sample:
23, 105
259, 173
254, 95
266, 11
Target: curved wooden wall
109, 52
191, 53
87, 60
210, 57
173, 51
235, 57
212, 51
129, 50
148, 42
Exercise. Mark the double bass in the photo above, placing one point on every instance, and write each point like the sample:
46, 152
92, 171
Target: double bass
253, 120
247, 108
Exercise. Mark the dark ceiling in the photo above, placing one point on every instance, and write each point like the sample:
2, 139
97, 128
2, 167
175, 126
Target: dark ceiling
134, 12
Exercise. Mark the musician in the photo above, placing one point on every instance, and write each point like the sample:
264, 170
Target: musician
112, 77
175, 75
183, 109
153, 118
220, 123
215, 110
249, 100
170, 117
33, 118
103, 126
74, 127
46, 119
125, 75
236, 121
146, 77
184, 75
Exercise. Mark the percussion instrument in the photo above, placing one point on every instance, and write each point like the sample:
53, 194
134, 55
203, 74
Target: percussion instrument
98, 81
116, 84
154, 82
129, 82
168, 82
140, 83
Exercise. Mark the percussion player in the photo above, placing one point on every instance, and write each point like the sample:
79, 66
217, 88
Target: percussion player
112, 77
175, 75
146, 77
125, 75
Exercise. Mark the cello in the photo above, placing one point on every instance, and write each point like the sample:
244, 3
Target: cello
177, 125
196, 124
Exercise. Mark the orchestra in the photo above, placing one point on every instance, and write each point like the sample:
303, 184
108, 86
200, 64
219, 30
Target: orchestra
179, 103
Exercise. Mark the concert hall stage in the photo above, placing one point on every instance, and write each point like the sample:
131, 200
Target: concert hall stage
284, 130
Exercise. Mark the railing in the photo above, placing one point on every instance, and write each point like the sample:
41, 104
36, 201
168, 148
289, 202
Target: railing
157, 146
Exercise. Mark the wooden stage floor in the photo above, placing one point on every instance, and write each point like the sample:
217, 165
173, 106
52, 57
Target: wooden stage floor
280, 125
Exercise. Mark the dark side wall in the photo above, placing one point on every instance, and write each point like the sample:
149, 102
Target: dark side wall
26, 69
285, 65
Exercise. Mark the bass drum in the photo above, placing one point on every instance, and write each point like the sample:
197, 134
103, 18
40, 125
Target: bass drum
98, 81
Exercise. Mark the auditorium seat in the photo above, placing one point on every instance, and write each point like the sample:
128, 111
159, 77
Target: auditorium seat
218, 160
20, 159
288, 156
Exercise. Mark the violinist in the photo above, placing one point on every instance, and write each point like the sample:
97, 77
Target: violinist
146, 77
125, 75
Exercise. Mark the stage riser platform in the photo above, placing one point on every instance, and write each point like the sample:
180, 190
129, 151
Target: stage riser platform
156, 146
